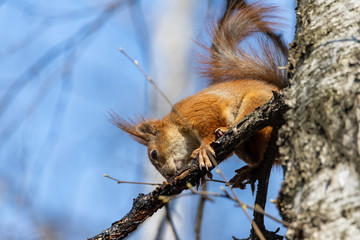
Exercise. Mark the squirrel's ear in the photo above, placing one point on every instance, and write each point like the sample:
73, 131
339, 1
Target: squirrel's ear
140, 132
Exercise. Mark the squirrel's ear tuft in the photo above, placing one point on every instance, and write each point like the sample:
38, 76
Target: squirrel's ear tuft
140, 132
147, 127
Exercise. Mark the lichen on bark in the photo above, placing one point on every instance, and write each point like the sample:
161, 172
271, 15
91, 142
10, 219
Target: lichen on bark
319, 143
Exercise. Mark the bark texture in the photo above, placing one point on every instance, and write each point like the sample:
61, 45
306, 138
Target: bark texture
320, 141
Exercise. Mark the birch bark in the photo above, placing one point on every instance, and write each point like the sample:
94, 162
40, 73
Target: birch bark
320, 141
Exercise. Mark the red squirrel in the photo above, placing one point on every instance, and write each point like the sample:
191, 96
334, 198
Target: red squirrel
240, 81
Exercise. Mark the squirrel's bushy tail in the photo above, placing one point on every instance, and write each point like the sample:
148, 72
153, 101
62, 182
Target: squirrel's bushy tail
233, 58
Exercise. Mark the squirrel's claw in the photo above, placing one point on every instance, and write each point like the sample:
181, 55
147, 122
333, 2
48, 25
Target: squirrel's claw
205, 152
244, 175
220, 131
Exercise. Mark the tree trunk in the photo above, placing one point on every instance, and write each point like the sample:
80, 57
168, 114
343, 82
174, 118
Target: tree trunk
320, 142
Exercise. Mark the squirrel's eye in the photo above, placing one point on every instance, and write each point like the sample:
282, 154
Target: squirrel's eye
154, 154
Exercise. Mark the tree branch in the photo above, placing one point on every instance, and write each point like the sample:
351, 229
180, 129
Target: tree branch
144, 206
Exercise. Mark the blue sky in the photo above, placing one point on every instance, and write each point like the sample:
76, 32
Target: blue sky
55, 140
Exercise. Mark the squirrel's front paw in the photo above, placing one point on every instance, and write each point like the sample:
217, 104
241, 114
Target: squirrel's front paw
205, 152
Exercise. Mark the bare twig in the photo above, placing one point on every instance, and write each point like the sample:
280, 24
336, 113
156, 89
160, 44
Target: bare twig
118, 181
171, 222
161, 228
148, 78
227, 195
244, 207
199, 213
215, 180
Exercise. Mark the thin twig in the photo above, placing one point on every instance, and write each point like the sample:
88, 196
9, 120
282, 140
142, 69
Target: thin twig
241, 204
236, 198
148, 78
200, 212
161, 228
128, 182
171, 222
215, 180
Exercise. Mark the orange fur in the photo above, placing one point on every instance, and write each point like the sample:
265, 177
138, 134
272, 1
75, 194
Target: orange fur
240, 82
